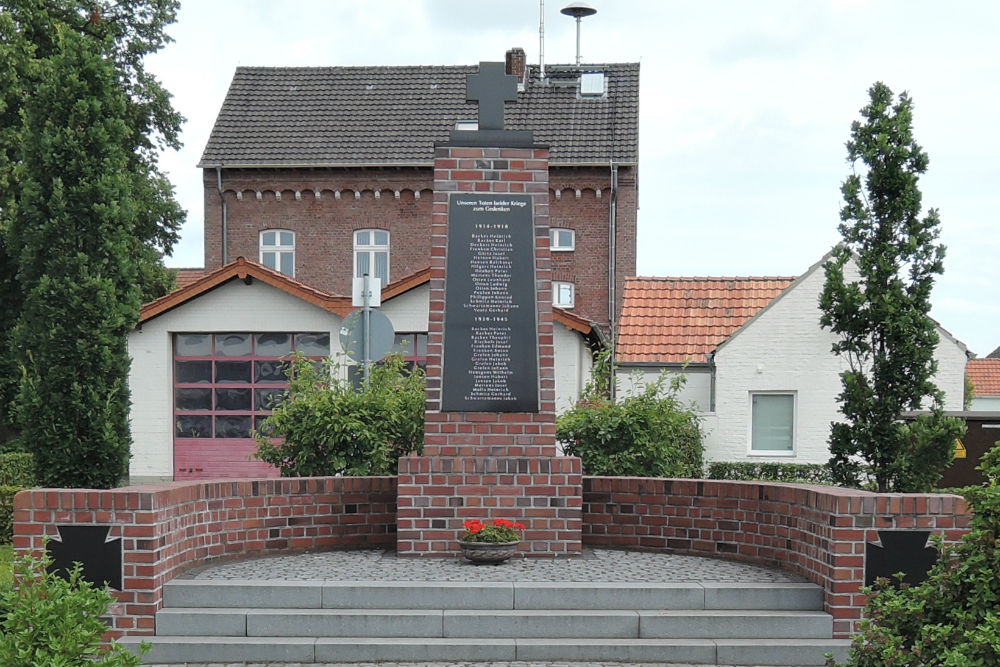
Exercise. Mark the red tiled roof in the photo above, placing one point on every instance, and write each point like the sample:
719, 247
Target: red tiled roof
985, 376
683, 319
187, 276
244, 269
198, 281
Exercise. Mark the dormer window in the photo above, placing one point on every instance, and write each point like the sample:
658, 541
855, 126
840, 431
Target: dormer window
592, 84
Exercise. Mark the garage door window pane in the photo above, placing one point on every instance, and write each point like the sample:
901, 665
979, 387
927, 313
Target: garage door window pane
274, 344
233, 426
313, 344
270, 371
193, 426
193, 399
232, 371
268, 399
194, 345
232, 345
233, 399
191, 372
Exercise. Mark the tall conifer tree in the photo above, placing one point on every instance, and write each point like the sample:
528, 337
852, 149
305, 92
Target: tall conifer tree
881, 315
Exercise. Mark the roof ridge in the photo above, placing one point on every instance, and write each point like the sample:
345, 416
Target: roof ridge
709, 278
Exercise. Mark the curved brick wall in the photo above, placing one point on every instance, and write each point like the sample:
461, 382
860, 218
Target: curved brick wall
819, 532
168, 528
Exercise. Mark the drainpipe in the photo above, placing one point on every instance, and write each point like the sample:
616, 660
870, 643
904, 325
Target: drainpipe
225, 217
612, 271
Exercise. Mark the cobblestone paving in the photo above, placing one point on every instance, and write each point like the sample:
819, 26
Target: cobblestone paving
597, 565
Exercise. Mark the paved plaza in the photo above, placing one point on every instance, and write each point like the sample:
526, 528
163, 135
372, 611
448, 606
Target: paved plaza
594, 565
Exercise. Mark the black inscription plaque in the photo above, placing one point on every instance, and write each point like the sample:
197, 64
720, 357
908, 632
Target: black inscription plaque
490, 361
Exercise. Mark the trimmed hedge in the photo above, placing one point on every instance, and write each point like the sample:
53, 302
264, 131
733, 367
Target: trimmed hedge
809, 473
16, 474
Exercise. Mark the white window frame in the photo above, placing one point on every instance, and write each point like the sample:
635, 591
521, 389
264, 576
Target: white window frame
278, 248
554, 234
371, 249
556, 285
795, 420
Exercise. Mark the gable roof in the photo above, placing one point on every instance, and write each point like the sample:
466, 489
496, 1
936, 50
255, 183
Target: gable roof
343, 116
244, 269
681, 319
984, 375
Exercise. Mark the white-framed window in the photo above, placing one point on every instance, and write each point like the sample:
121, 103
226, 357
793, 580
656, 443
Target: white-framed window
371, 254
772, 423
277, 250
561, 240
562, 294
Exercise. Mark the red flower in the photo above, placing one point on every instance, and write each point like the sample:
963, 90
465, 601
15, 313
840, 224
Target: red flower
518, 525
473, 525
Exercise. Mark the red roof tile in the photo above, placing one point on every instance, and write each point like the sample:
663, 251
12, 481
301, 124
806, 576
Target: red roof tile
187, 276
985, 376
683, 319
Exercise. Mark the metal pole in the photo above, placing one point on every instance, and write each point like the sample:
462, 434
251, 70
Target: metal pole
578, 40
366, 318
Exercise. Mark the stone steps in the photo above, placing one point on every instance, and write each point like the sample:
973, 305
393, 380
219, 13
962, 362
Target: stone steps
326, 621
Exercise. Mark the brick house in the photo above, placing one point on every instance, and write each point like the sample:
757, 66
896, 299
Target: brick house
759, 368
325, 172
316, 175
984, 375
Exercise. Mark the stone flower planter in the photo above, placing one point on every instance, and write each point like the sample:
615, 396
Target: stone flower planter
488, 553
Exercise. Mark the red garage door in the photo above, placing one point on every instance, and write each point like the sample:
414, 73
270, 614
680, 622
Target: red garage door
225, 384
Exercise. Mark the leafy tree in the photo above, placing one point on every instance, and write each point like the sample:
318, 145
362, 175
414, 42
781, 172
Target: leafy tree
951, 619
880, 315
646, 434
84, 217
327, 426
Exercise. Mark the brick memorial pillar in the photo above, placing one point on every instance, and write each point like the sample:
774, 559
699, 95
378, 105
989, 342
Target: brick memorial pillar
489, 447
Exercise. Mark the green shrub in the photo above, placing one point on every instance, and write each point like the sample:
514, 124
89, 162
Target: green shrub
952, 619
17, 469
807, 473
648, 434
326, 426
16, 474
7, 512
56, 622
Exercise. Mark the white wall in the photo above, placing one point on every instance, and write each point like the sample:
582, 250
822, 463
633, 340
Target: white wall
573, 366
785, 349
408, 312
697, 389
258, 308
235, 306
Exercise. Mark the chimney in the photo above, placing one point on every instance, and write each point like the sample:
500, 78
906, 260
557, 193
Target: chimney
515, 62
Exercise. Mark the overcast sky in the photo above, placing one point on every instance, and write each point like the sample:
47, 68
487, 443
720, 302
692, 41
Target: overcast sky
744, 111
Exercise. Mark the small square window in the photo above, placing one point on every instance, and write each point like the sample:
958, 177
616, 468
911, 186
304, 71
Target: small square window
562, 240
562, 294
772, 423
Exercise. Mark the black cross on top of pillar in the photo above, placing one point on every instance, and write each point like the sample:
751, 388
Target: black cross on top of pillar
491, 87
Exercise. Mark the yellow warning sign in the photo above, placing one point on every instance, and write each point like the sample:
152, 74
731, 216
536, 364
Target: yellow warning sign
960, 452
